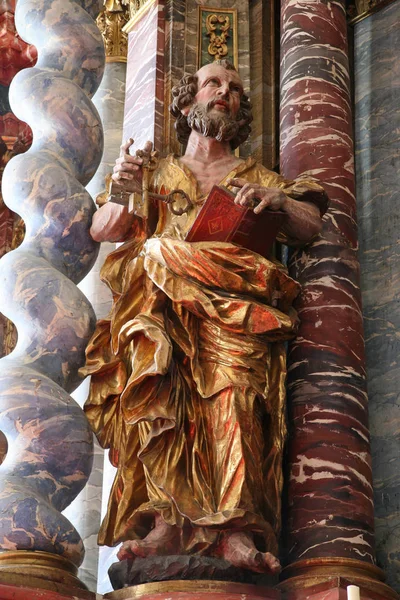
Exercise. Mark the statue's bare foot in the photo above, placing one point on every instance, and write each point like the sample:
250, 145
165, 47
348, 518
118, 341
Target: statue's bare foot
163, 539
238, 548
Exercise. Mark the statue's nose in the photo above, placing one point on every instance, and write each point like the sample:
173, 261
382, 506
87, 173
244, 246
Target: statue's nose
223, 91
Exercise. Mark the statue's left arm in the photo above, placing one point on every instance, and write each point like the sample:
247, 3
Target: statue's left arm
304, 201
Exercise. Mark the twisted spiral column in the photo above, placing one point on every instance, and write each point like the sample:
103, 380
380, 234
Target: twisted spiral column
47, 443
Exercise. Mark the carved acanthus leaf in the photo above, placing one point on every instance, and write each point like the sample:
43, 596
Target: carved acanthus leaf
110, 21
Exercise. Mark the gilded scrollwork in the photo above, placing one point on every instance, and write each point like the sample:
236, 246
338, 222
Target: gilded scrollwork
217, 35
111, 21
218, 47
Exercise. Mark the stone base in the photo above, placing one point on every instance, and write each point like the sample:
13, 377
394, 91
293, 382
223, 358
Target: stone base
40, 573
194, 590
334, 588
313, 579
21, 592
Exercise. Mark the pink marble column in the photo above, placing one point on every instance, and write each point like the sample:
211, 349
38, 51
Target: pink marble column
330, 509
144, 101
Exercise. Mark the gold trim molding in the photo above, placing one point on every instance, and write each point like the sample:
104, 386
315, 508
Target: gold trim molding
116, 59
310, 572
188, 587
137, 10
111, 22
43, 570
332, 565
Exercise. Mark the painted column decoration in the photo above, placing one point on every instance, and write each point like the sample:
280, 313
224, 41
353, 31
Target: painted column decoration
329, 523
48, 453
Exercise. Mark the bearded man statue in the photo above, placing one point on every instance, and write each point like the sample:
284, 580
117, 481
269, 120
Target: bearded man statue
188, 371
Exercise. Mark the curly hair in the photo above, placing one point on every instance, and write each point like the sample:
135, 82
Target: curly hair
183, 95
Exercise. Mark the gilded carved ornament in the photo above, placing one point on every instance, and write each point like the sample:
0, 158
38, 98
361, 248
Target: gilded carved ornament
110, 21
217, 35
218, 47
137, 10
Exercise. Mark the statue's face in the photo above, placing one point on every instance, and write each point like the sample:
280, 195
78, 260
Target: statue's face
219, 89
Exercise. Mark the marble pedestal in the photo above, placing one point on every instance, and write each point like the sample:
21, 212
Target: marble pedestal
334, 588
194, 590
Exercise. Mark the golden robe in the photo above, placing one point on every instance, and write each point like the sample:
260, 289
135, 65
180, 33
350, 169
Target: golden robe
188, 376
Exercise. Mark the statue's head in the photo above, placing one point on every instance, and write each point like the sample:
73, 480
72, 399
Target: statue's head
212, 103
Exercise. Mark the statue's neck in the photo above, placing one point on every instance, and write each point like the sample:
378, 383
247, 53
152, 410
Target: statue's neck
210, 161
206, 150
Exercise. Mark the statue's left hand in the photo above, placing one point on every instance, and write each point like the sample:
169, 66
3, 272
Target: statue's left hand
270, 198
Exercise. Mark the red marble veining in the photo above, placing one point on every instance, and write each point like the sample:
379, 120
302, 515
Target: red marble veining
330, 511
144, 102
15, 54
6, 228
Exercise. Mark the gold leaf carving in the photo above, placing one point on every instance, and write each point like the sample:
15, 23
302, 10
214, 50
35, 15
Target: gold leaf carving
110, 21
218, 47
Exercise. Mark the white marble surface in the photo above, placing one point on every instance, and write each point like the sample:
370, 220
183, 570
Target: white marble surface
86, 511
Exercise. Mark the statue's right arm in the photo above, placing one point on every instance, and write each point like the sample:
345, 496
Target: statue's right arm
112, 222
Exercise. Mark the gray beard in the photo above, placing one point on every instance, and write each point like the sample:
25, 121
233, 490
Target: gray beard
220, 127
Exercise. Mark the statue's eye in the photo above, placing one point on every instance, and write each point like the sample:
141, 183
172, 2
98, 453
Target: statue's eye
213, 81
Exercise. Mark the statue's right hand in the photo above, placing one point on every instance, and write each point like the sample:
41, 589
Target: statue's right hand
127, 172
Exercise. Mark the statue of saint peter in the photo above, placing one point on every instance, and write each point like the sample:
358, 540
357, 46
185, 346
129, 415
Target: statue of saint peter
188, 370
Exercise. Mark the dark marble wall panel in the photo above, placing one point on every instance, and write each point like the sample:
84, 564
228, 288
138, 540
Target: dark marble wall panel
264, 80
377, 127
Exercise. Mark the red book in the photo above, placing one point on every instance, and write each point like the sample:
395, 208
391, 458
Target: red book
221, 220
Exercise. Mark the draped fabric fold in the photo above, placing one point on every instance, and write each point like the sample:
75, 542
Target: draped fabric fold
188, 384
